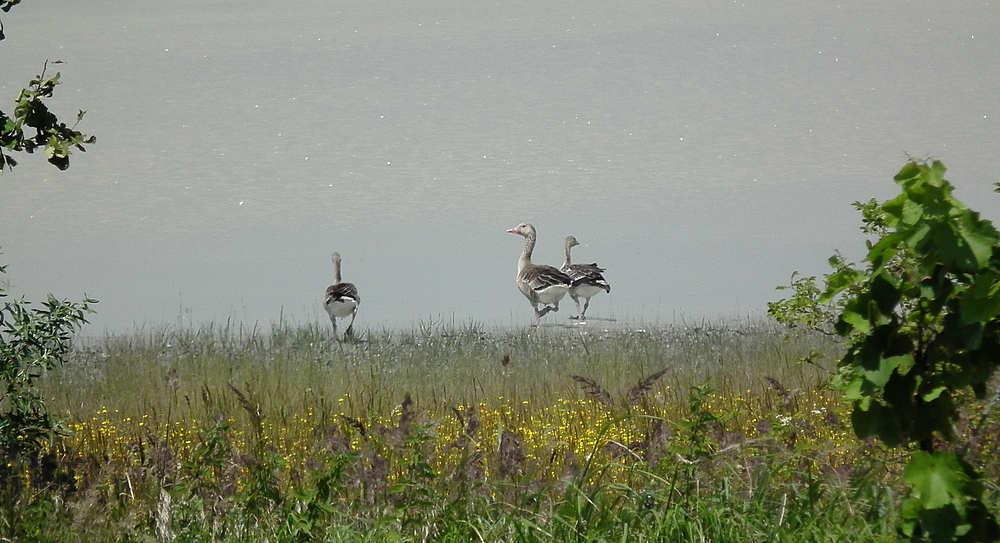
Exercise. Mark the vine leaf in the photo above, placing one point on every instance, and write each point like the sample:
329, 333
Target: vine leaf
981, 301
937, 479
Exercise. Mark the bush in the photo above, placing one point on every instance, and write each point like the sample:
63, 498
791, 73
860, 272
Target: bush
32, 342
922, 326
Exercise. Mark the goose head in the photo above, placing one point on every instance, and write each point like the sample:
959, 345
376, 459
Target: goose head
523, 229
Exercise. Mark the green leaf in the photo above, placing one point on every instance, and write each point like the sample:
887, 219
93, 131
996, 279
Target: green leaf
853, 389
887, 366
911, 212
980, 236
839, 281
934, 394
938, 479
884, 250
910, 171
981, 301
855, 320
916, 235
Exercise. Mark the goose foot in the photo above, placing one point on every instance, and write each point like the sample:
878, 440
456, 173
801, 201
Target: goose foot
539, 313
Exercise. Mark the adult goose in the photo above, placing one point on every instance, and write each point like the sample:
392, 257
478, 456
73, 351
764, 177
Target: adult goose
341, 299
587, 278
540, 284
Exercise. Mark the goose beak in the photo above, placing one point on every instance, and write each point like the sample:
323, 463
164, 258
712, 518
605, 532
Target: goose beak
512, 231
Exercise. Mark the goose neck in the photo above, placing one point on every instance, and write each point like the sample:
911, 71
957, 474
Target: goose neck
529, 246
336, 271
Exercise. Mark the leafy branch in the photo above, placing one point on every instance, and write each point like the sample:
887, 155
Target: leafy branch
30, 112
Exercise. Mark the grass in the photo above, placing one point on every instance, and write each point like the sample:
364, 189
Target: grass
291, 368
683, 433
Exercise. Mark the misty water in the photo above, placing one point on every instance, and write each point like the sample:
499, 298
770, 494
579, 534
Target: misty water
700, 151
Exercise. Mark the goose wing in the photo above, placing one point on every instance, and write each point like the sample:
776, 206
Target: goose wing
589, 274
342, 292
582, 269
543, 277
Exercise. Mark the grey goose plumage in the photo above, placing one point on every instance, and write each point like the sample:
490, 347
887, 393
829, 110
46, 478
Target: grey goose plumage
588, 280
341, 298
538, 283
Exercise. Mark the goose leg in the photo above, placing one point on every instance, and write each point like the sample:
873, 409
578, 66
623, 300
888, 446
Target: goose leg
583, 314
541, 313
578, 312
350, 327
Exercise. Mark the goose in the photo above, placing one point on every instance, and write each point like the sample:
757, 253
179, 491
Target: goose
587, 278
540, 284
341, 299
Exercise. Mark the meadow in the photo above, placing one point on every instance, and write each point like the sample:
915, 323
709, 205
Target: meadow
449, 432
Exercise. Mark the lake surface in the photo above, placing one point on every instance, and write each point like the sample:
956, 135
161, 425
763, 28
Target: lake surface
700, 151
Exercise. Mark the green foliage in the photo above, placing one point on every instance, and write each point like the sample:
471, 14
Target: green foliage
803, 308
32, 342
262, 491
30, 113
922, 326
946, 502
699, 424
311, 507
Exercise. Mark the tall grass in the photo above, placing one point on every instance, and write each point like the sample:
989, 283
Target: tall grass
168, 371
454, 433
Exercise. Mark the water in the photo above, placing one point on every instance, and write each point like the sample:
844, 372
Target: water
701, 151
